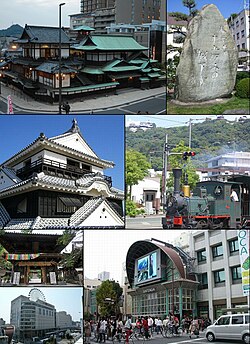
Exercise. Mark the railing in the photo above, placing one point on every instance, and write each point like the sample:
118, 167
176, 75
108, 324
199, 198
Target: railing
60, 165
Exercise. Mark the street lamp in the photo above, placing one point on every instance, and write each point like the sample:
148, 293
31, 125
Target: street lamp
60, 57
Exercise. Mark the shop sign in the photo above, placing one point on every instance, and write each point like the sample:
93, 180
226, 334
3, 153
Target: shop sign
243, 239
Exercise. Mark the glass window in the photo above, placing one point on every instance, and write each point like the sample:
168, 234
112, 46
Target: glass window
237, 320
236, 272
223, 321
203, 281
217, 251
233, 245
201, 256
247, 319
219, 276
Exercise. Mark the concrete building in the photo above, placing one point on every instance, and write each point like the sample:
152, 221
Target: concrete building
229, 163
104, 276
63, 320
89, 294
32, 316
218, 268
240, 28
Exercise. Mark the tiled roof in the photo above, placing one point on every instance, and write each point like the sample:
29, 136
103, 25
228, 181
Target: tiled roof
20, 224
46, 223
4, 216
58, 181
43, 34
82, 213
11, 174
110, 42
53, 68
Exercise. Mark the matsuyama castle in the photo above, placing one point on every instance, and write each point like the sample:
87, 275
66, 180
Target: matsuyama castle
58, 182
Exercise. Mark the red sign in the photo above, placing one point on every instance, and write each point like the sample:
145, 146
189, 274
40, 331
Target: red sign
10, 110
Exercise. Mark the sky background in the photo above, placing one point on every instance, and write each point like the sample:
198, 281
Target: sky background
226, 7
175, 120
36, 12
64, 299
104, 134
107, 250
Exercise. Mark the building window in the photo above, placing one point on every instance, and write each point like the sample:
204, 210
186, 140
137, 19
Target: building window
238, 35
237, 23
242, 33
219, 276
233, 246
242, 20
236, 273
243, 46
217, 251
203, 281
201, 256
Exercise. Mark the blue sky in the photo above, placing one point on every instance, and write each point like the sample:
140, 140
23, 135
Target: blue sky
104, 134
226, 7
64, 299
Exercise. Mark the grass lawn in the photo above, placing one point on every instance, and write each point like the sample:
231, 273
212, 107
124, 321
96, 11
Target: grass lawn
234, 103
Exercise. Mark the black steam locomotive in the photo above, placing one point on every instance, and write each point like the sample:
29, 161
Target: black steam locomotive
213, 204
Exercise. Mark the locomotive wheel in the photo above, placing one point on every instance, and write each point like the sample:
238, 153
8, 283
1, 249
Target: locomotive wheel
201, 224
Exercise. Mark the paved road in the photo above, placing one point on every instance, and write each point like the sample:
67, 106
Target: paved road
152, 222
176, 340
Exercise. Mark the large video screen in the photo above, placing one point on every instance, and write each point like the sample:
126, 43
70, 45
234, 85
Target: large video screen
148, 267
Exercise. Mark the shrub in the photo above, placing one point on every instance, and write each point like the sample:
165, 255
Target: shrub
240, 76
131, 209
243, 89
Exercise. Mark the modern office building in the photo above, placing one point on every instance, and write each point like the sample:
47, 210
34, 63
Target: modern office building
104, 276
218, 267
120, 11
32, 316
63, 320
240, 28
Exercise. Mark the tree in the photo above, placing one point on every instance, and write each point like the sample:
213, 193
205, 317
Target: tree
187, 167
190, 4
136, 169
107, 297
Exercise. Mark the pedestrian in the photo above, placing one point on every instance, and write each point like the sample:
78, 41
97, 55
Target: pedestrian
66, 107
128, 328
87, 331
102, 330
150, 325
194, 328
145, 327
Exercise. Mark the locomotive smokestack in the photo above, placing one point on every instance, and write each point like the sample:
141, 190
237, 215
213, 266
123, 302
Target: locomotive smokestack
177, 172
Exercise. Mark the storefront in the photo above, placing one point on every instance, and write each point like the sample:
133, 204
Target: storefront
162, 280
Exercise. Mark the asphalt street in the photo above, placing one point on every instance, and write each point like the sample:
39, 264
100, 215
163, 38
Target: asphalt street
158, 339
148, 222
152, 105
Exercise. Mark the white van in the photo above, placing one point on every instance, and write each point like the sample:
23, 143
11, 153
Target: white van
232, 326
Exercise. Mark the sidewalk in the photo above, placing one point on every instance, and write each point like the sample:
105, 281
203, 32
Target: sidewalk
124, 97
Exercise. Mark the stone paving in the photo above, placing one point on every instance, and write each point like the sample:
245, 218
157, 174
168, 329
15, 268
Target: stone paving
123, 97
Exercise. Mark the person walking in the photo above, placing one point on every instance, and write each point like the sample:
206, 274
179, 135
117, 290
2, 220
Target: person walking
87, 331
194, 328
128, 328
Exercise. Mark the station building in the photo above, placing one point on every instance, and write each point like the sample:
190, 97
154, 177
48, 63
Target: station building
201, 278
162, 280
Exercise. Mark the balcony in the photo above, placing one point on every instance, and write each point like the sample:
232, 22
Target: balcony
51, 167
57, 169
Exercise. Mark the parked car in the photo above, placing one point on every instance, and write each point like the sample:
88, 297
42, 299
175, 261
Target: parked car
231, 326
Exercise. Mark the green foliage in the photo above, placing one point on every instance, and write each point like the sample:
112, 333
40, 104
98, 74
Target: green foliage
132, 210
107, 297
171, 71
218, 109
178, 16
136, 168
187, 166
190, 4
67, 236
243, 88
71, 260
207, 139
240, 76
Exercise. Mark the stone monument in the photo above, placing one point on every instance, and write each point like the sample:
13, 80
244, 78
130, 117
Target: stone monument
209, 59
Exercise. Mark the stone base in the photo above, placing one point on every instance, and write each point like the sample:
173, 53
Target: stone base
206, 102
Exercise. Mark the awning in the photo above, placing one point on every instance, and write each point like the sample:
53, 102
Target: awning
124, 76
71, 202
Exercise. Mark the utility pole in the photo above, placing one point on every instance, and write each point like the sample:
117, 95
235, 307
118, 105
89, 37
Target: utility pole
165, 168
